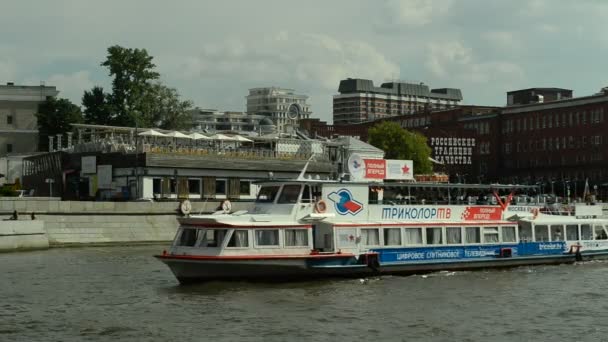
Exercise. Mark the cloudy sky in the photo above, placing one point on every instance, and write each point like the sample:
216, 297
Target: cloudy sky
214, 51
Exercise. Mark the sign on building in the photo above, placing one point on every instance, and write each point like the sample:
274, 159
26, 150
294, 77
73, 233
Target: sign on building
88, 165
104, 177
452, 150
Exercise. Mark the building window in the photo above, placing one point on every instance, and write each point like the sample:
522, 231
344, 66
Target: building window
9, 148
194, 186
9, 120
220, 186
245, 187
156, 185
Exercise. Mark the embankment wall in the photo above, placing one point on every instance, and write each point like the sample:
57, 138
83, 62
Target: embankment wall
75, 222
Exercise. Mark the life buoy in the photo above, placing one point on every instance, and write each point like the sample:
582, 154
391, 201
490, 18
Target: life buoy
185, 207
226, 205
320, 206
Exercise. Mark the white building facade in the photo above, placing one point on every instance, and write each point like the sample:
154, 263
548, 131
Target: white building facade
275, 103
18, 124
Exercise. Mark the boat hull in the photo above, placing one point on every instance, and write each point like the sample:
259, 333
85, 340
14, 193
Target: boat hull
195, 270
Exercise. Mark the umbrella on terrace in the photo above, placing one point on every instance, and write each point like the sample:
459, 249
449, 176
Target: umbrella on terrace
222, 137
241, 139
176, 134
151, 133
198, 136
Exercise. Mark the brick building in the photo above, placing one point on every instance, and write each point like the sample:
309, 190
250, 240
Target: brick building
557, 144
360, 101
461, 138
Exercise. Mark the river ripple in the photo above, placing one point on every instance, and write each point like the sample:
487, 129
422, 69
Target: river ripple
124, 294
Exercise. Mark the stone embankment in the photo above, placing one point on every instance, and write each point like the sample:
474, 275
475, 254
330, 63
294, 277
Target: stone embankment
65, 223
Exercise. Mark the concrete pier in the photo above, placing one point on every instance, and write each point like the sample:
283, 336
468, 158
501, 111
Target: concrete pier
22, 235
66, 223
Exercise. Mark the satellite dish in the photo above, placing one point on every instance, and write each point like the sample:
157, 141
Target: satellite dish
356, 167
294, 111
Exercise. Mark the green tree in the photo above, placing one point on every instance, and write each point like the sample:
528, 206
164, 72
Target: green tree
398, 143
133, 73
166, 110
97, 109
55, 116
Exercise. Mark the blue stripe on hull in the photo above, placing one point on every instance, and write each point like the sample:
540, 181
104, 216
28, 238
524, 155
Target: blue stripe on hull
405, 255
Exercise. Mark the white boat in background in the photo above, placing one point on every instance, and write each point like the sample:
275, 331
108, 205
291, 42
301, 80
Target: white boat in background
306, 229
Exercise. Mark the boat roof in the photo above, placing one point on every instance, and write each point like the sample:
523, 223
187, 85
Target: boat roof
495, 186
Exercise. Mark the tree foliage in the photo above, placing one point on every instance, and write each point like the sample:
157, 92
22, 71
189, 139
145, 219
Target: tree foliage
398, 143
54, 117
137, 97
97, 109
166, 109
133, 73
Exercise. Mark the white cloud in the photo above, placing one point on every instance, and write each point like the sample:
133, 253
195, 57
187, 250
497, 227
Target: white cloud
442, 57
70, 86
501, 40
8, 71
414, 13
306, 62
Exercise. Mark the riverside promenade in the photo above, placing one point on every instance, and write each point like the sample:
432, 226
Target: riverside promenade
59, 223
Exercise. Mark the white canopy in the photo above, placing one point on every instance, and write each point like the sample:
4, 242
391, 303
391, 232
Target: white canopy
176, 134
151, 133
222, 137
198, 136
241, 138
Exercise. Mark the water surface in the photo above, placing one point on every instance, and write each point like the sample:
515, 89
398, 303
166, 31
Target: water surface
124, 294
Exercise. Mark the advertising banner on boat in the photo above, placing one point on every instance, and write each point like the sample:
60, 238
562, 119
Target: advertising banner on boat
379, 169
455, 253
435, 212
399, 169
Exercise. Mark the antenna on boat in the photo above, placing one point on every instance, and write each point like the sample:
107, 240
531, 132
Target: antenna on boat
301, 175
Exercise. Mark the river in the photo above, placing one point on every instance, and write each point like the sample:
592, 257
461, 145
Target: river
124, 294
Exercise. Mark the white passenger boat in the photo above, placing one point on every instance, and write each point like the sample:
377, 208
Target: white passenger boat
307, 229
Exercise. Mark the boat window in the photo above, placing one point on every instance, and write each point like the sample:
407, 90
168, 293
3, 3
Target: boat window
413, 236
372, 195
296, 237
600, 233
473, 235
289, 194
213, 237
508, 234
392, 236
189, 236
572, 232
557, 232
586, 233
541, 233
453, 235
267, 237
433, 236
490, 234
370, 237
240, 238
306, 194
267, 194
525, 232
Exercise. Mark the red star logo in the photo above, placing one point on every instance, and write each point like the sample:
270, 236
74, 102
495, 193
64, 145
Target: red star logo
405, 169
